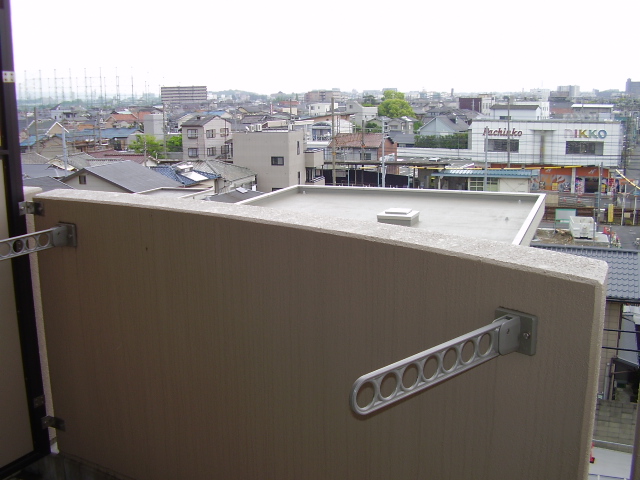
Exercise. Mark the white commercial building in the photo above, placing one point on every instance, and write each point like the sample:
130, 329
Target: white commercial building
546, 142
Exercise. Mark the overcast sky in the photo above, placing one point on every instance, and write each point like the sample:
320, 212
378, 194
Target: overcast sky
296, 46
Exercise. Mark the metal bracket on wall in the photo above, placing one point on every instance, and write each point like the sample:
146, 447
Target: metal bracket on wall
511, 331
31, 208
53, 422
62, 235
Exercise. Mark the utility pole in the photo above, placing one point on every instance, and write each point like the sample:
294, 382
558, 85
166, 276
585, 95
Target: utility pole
384, 171
484, 184
333, 140
509, 131
35, 123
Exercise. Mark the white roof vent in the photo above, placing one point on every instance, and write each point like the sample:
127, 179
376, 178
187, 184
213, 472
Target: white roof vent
399, 216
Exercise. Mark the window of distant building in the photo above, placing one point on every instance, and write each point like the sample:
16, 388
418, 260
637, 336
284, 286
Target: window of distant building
298, 148
366, 156
224, 132
193, 152
211, 133
192, 133
584, 148
277, 161
496, 145
225, 149
211, 151
82, 179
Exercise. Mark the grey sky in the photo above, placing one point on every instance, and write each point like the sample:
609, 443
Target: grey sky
293, 46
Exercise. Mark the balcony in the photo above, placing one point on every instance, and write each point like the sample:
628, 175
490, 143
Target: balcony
182, 344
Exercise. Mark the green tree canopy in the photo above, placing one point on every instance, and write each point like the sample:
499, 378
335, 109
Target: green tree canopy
147, 144
395, 106
392, 95
174, 144
372, 127
455, 141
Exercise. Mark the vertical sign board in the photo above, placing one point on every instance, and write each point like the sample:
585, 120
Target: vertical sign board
23, 439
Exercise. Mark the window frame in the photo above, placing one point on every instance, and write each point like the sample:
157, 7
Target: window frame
211, 133
191, 151
584, 148
192, 133
493, 143
277, 161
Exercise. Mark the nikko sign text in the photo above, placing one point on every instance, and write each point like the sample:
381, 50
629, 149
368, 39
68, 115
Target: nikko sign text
601, 134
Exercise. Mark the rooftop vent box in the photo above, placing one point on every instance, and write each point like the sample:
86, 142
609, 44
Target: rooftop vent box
399, 216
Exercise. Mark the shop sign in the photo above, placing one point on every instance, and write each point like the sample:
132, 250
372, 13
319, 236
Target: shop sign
502, 132
585, 133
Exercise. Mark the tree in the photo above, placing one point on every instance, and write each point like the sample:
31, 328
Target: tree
148, 145
393, 95
395, 106
174, 144
455, 141
372, 127
369, 101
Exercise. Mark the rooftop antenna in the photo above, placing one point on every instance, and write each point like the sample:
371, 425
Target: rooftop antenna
55, 86
41, 96
70, 86
86, 92
26, 84
117, 87
101, 94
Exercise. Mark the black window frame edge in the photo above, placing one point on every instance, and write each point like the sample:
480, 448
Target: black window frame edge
21, 266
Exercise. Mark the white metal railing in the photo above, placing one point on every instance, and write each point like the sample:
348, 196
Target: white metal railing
63, 234
511, 332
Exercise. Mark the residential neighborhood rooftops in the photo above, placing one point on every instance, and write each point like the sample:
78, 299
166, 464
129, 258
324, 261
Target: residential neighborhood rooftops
186, 178
201, 121
357, 140
514, 106
46, 183
128, 175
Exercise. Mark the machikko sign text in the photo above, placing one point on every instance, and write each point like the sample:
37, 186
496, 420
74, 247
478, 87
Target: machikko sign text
501, 132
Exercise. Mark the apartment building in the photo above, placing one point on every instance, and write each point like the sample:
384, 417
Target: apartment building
184, 95
206, 138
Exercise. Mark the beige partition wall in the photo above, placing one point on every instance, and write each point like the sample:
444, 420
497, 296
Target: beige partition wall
200, 341
16, 438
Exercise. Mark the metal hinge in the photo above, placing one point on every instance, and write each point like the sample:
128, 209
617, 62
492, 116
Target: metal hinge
510, 332
62, 235
53, 422
31, 208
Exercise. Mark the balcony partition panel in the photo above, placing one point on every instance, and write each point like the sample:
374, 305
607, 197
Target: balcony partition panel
195, 340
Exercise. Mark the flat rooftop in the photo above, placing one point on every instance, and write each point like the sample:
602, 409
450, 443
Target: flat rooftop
505, 217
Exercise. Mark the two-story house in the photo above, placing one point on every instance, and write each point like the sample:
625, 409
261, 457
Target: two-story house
277, 157
206, 138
